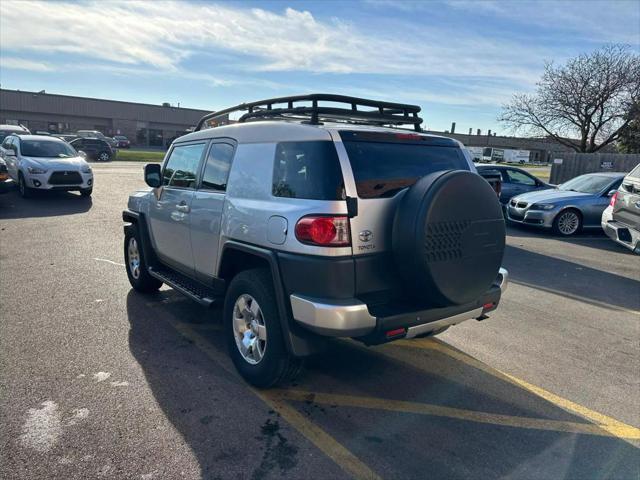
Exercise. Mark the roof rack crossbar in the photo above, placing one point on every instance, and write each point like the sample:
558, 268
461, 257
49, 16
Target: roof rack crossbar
380, 113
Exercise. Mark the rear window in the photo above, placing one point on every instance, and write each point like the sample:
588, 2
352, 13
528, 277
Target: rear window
308, 170
384, 164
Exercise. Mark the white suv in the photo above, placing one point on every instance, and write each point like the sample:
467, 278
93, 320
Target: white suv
39, 162
309, 221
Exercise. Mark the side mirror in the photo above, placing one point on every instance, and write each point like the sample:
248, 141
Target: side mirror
82, 153
611, 193
9, 152
153, 174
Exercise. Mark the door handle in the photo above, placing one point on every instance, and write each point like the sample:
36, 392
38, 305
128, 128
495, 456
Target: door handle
183, 207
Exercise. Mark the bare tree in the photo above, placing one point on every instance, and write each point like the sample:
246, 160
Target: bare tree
630, 137
590, 99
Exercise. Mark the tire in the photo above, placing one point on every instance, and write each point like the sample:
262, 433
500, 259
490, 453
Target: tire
448, 238
86, 192
25, 191
568, 222
250, 312
104, 156
135, 264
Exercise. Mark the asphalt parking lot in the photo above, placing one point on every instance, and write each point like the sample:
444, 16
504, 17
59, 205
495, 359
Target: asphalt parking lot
99, 381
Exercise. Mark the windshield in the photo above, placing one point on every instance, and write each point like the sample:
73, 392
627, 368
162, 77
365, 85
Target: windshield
383, 168
46, 148
586, 183
5, 133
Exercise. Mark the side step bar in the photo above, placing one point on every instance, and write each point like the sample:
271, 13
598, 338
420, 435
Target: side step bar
194, 290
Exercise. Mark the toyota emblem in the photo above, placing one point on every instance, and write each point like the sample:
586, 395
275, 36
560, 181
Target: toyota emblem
366, 235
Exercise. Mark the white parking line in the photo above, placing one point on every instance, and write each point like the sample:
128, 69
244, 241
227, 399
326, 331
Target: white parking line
109, 261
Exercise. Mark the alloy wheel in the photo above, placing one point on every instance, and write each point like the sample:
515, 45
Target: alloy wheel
568, 223
133, 255
249, 329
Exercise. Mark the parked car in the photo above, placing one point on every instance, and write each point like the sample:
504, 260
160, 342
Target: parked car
494, 177
94, 148
122, 141
98, 134
9, 129
570, 207
66, 137
621, 219
38, 162
5, 180
311, 227
515, 181
42, 132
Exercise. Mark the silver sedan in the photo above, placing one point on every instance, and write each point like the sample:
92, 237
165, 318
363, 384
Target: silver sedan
570, 207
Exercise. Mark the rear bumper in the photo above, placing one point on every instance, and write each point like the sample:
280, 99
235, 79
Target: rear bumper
624, 235
351, 317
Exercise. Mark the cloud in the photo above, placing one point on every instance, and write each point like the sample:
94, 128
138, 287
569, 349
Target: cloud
163, 35
22, 64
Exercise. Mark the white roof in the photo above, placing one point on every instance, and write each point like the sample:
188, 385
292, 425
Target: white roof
270, 131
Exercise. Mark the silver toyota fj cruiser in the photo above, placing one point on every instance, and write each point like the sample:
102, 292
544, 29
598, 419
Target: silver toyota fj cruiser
318, 216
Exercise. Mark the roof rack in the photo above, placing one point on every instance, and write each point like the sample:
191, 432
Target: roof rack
284, 108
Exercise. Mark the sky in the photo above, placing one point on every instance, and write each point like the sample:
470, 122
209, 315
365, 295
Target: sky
460, 60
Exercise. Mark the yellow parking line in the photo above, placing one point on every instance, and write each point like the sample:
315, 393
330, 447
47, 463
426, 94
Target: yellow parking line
329, 446
615, 427
457, 413
325, 442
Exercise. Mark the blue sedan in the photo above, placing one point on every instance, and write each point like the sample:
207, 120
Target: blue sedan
514, 181
570, 207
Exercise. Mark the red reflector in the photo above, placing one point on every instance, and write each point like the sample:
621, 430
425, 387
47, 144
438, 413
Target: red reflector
487, 306
324, 231
393, 333
614, 197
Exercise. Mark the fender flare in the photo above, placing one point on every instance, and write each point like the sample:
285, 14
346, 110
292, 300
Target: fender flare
299, 342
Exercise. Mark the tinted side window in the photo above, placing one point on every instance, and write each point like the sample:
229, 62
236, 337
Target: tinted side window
520, 178
181, 168
216, 170
308, 170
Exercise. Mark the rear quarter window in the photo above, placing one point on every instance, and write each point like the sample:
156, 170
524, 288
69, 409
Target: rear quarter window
383, 168
309, 170
635, 173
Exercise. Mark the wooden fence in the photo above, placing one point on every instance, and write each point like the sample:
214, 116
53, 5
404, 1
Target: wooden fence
567, 165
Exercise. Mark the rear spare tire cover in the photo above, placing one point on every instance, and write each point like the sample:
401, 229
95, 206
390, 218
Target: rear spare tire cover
449, 238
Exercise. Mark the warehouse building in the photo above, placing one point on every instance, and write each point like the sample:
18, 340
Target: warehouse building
143, 124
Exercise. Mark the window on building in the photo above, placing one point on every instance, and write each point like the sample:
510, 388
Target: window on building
156, 139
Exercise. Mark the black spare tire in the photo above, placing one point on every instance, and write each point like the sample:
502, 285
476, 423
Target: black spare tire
449, 238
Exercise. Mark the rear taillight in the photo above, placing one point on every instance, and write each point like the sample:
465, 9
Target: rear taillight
614, 197
324, 231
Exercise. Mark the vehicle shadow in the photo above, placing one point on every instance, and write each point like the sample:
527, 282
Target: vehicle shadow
42, 204
223, 423
565, 277
230, 432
